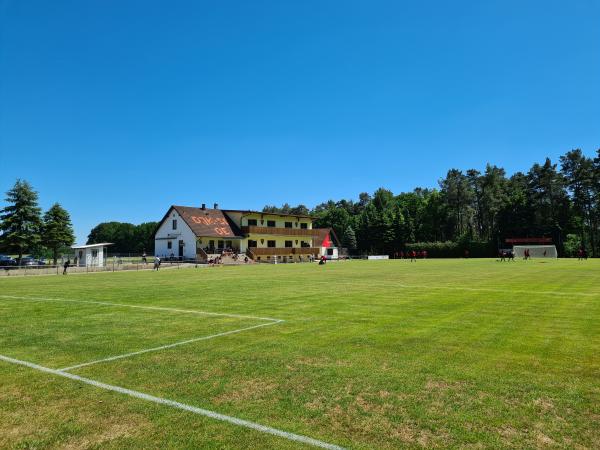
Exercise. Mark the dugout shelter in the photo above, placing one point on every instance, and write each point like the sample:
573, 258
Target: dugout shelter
538, 247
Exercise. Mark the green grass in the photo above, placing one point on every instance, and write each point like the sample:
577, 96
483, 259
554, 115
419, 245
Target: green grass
372, 354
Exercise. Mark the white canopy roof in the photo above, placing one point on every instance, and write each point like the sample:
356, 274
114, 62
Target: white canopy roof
102, 244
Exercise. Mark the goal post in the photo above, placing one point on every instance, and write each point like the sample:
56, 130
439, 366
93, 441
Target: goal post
536, 251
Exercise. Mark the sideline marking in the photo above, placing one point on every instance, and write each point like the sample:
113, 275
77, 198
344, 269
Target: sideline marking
178, 405
163, 347
154, 308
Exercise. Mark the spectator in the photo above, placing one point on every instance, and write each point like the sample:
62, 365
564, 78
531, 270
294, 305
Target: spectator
66, 266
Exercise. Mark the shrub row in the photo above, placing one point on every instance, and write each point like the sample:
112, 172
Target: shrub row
451, 249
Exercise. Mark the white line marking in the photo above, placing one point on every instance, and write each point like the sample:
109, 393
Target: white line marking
154, 308
512, 291
178, 405
163, 347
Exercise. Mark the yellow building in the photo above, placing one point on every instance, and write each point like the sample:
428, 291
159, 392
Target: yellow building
195, 233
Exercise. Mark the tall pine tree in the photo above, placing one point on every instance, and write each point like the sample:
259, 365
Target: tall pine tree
349, 238
20, 220
57, 231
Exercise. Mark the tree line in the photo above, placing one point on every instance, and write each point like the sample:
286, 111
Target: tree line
474, 209
126, 237
23, 228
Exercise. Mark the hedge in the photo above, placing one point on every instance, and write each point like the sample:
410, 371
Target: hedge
451, 249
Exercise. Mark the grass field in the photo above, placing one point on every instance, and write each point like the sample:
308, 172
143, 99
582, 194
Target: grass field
363, 354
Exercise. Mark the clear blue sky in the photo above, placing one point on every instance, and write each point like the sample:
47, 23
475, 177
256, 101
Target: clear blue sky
118, 109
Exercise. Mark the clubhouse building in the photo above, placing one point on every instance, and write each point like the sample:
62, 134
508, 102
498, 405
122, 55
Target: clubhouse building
197, 233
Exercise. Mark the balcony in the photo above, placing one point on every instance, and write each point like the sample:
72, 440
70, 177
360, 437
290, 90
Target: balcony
283, 251
274, 231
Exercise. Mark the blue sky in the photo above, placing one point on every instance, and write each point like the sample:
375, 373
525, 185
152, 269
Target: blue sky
118, 109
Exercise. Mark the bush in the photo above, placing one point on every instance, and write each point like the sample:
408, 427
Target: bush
451, 249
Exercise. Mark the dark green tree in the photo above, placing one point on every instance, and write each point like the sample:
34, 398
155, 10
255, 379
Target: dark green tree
122, 235
57, 231
20, 221
335, 218
458, 196
126, 237
549, 200
581, 180
349, 238
144, 238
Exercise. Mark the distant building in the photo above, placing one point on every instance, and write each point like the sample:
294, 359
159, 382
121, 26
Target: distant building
195, 233
90, 255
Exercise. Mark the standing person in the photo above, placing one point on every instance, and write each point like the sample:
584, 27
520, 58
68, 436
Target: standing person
144, 257
156, 263
502, 255
413, 256
66, 266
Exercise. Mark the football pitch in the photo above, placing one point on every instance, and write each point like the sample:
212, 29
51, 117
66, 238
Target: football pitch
360, 354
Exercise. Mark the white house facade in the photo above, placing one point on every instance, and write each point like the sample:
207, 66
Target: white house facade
195, 233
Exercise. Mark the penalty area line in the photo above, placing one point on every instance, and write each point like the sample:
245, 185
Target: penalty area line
150, 308
177, 405
164, 347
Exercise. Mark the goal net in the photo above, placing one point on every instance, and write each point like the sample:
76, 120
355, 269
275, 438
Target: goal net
536, 251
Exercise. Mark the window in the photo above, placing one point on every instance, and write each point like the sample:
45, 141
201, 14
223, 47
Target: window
211, 244
303, 225
304, 244
252, 222
174, 224
288, 224
271, 244
288, 244
270, 223
252, 243
94, 253
169, 245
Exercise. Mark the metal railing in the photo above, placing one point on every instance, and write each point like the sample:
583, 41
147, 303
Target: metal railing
110, 266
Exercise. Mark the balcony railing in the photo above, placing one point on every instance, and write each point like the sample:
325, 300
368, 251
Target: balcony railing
280, 231
283, 251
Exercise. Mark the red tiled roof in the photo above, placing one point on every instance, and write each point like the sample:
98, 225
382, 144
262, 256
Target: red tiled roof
207, 222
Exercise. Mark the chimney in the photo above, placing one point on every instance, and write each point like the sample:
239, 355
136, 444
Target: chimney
216, 206
203, 206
